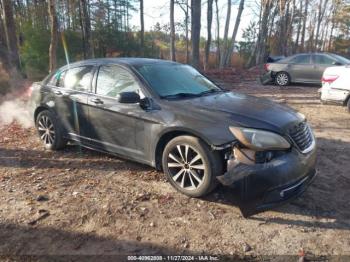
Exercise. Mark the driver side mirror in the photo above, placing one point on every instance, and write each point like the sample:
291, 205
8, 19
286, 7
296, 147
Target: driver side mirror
128, 98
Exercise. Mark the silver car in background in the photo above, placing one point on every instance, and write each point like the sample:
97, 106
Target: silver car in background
301, 68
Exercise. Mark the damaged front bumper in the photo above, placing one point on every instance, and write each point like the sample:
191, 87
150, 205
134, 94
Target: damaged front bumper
263, 186
267, 78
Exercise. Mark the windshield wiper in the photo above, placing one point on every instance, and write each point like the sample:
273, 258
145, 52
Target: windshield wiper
181, 95
210, 91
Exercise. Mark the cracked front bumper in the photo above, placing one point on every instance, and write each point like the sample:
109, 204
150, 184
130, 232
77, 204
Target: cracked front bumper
262, 186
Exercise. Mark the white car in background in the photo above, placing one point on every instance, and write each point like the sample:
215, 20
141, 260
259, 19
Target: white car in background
336, 85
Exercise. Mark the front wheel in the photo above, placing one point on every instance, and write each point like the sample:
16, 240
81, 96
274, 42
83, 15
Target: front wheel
282, 79
50, 131
191, 166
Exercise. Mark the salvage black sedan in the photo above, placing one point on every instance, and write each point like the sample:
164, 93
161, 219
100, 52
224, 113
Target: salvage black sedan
171, 117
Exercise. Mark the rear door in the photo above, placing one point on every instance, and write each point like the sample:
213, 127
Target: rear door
320, 63
116, 126
300, 67
71, 92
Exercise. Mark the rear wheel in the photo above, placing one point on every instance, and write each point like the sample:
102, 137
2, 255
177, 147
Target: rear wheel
50, 131
282, 79
190, 166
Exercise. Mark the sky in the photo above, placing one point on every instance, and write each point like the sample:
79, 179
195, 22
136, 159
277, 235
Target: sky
158, 11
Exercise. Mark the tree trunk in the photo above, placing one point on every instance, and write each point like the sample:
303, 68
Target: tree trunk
54, 36
10, 34
324, 35
187, 40
263, 31
321, 11
83, 42
225, 42
331, 36
310, 44
186, 12
2, 28
142, 33
271, 22
86, 29
296, 44
218, 53
227, 61
302, 43
283, 7
209, 23
172, 32
196, 30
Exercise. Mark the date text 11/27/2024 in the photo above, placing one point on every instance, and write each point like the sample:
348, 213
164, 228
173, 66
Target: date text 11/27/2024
173, 258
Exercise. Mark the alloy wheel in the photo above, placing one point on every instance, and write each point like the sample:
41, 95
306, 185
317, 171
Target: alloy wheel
282, 79
186, 167
46, 130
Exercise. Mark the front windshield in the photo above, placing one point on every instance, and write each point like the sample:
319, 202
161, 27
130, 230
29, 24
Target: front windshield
174, 79
341, 59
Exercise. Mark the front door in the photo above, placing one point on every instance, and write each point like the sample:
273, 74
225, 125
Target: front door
112, 124
299, 68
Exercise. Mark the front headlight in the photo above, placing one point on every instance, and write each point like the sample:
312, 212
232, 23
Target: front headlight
259, 139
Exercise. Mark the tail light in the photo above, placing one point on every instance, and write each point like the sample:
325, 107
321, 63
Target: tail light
329, 79
267, 67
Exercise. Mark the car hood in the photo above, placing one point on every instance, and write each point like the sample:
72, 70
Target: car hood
244, 110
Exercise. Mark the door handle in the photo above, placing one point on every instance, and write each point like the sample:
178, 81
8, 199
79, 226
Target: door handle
57, 92
96, 101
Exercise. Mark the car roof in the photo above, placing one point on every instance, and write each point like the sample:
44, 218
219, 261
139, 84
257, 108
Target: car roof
314, 53
126, 61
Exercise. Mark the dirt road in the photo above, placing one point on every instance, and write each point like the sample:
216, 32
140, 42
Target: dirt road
78, 201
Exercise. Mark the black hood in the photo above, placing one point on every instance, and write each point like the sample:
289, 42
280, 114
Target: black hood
244, 110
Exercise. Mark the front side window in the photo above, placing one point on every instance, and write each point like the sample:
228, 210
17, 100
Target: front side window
57, 79
112, 80
301, 59
60, 78
323, 60
174, 79
78, 78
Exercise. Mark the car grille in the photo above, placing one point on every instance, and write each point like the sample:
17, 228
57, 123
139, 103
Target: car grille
301, 135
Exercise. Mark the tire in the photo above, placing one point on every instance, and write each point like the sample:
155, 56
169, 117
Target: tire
348, 104
50, 131
194, 179
282, 79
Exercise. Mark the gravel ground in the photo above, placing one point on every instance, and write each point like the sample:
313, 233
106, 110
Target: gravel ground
79, 202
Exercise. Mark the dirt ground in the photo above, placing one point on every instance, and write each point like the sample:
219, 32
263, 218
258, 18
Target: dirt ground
79, 202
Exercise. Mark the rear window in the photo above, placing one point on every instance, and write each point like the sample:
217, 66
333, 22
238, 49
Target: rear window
53, 80
78, 78
57, 79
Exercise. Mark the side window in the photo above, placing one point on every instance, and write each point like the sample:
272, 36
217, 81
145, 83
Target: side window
53, 80
78, 78
57, 79
112, 80
323, 60
301, 59
60, 79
